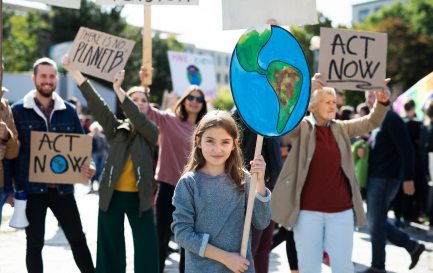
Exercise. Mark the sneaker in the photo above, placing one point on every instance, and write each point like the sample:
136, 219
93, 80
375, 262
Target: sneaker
414, 255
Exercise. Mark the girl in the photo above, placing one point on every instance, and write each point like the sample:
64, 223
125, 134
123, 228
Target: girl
210, 199
126, 181
176, 129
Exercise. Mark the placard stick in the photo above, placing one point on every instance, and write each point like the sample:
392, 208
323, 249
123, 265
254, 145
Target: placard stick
147, 45
250, 203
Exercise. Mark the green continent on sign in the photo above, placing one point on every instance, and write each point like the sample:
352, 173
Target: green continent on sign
248, 49
286, 80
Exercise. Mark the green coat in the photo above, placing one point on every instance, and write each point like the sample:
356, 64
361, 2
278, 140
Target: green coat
135, 136
361, 163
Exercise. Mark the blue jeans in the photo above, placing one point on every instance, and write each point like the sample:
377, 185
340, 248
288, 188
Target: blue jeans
99, 160
380, 193
316, 231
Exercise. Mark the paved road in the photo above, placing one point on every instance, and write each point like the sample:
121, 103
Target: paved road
58, 257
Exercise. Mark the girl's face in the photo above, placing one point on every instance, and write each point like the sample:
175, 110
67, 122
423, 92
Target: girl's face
194, 102
216, 146
140, 99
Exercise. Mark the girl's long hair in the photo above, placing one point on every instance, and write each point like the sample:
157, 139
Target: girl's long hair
234, 164
179, 107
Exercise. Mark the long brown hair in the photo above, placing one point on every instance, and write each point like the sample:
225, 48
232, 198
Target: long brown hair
234, 164
179, 107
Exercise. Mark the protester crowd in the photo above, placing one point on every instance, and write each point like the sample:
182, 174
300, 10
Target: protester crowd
184, 175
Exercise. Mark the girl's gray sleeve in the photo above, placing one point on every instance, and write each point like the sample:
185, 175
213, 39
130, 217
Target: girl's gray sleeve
183, 219
262, 210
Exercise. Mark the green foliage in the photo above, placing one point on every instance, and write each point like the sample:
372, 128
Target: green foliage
66, 22
224, 100
304, 35
23, 37
410, 39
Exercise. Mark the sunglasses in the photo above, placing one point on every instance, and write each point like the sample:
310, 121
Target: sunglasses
197, 99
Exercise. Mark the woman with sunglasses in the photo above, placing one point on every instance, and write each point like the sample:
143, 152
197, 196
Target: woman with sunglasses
175, 132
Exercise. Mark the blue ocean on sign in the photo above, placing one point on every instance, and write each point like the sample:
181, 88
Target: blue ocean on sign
270, 80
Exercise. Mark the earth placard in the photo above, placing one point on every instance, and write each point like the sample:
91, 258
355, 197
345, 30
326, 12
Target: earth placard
270, 80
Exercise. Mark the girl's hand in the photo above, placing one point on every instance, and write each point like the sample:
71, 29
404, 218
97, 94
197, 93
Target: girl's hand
118, 80
258, 166
236, 263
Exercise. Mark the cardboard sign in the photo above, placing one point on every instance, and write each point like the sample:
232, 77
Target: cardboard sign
99, 54
241, 14
57, 157
187, 69
149, 2
73, 4
353, 60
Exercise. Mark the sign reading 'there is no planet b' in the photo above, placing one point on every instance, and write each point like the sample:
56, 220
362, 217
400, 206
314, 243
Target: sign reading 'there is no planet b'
99, 54
353, 60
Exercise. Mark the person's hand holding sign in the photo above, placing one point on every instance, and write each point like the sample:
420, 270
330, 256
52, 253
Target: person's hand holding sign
317, 82
144, 73
384, 94
88, 171
258, 166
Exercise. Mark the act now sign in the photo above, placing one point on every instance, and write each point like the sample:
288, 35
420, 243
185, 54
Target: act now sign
353, 60
57, 157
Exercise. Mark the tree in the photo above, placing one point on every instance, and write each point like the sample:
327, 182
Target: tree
24, 39
304, 35
410, 39
66, 22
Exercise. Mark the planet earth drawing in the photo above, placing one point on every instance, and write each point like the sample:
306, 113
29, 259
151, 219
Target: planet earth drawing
193, 74
58, 164
270, 80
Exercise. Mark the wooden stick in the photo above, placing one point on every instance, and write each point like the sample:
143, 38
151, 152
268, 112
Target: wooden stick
147, 45
250, 203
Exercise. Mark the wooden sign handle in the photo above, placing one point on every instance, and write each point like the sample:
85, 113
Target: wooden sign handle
147, 45
250, 203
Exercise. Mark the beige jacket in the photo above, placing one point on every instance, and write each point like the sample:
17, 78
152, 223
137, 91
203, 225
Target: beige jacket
12, 145
285, 201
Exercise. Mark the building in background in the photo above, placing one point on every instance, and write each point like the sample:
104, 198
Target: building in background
362, 10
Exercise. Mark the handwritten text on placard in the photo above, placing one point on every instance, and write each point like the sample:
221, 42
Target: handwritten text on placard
353, 60
58, 157
99, 54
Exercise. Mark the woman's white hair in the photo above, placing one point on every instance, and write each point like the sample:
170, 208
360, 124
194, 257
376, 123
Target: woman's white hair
314, 99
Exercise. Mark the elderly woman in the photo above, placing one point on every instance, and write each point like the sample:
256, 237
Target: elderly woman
316, 193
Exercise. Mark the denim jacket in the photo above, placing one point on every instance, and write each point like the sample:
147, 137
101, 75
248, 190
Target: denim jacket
28, 117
